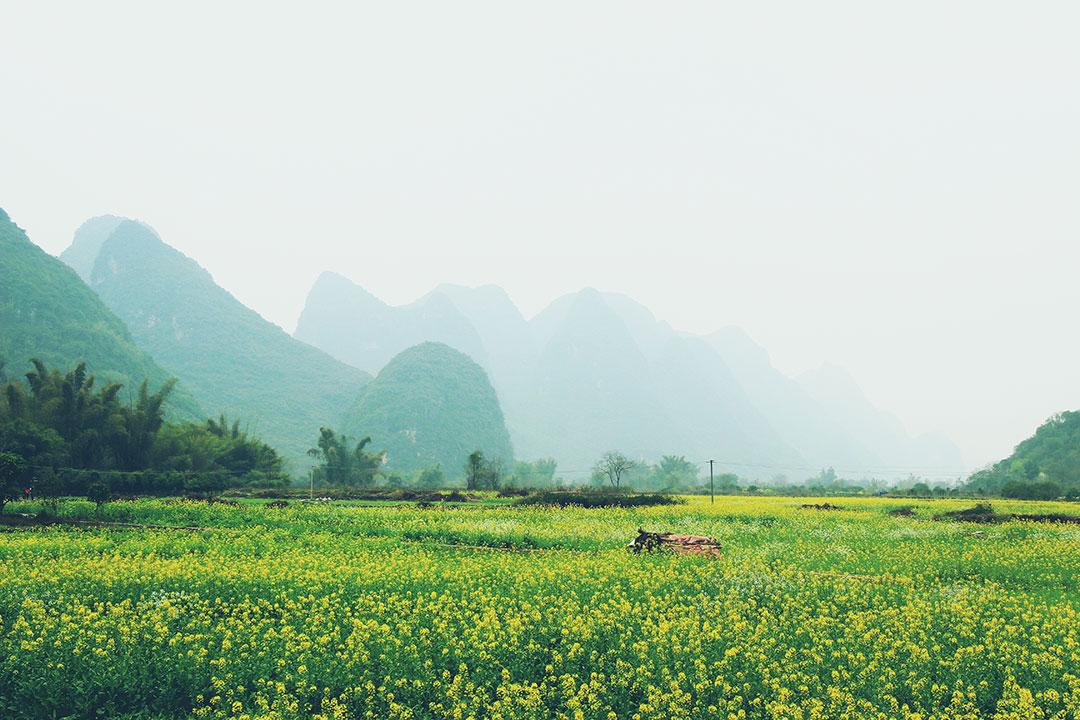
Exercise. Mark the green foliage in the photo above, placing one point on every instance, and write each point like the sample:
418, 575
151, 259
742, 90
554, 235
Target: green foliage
340, 463
1046, 490
66, 421
920, 489
431, 405
230, 358
431, 477
481, 473
95, 430
97, 492
1048, 461
536, 474
47, 312
217, 455
726, 483
47, 485
11, 475
675, 471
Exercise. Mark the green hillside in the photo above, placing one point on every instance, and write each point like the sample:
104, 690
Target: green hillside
1045, 466
47, 312
431, 404
234, 361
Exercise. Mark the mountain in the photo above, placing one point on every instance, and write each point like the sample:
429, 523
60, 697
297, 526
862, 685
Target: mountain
231, 359
596, 371
717, 419
357, 328
715, 416
1044, 466
47, 312
608, 375
846, 404
794, 414
509, 348
431, 404
81, 255
591, 388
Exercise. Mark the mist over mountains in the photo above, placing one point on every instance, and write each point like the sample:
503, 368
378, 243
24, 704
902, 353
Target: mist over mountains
594, 371
48, 313
225, 354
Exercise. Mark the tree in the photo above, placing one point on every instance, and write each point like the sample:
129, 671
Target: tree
97, 492
344, 465
544, 471
219, 449
493, 472
920, 489
1032, 491
48, 486
11, 475
142, 423
208, 483
536, 474
825, 479
674, 471
431, 477
474, 470
56, 420
1051, 455
482, 474
727, 483
614, 466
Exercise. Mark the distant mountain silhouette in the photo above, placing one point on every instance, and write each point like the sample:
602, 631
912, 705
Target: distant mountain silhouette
845, 404
357, 328
231, 359
89, 237
597, 371
48, 312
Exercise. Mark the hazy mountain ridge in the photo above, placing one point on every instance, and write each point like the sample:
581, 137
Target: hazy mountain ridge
231, 359
357, 328
48, 312
837, 392
595, 371
92, 234
591, 389
509, 346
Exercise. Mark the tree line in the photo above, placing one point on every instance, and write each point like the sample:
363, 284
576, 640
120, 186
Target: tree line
342, 461
66, 434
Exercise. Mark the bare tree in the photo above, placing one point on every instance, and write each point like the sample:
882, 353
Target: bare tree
614, 465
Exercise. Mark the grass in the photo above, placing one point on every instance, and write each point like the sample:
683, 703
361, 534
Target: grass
345, 610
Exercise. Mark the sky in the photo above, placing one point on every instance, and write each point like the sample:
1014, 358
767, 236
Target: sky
889, 187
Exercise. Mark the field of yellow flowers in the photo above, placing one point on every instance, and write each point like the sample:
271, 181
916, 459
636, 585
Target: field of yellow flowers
333, 611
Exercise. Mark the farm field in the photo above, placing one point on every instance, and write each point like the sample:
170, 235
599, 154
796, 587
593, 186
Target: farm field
347, 611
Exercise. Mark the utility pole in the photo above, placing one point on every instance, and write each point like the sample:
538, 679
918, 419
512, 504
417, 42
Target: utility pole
710, 483
311, 476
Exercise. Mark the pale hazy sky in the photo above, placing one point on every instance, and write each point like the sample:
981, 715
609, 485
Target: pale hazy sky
891, 187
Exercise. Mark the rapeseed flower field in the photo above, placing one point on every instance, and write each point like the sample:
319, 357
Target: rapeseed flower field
334, 611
